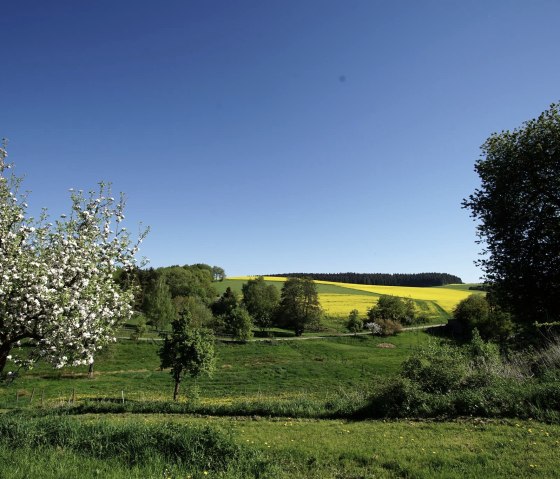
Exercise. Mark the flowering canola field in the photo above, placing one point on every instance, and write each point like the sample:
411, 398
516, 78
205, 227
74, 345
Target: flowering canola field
427, 299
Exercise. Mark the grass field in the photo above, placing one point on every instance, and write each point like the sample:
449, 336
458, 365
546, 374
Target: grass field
331, 449
249, 371
282, 445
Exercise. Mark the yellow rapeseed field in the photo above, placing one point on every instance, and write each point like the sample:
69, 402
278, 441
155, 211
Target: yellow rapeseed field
444, 297
341, 304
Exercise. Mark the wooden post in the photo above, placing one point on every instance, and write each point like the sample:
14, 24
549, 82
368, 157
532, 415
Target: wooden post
73, 395
32, 396
122, 396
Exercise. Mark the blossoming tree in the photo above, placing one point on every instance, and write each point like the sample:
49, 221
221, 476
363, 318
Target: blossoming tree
58, 296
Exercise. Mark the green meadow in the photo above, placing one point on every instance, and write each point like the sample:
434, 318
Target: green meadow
267, 407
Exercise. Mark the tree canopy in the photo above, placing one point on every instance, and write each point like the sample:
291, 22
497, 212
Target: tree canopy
299, 306
260, 299
517, 207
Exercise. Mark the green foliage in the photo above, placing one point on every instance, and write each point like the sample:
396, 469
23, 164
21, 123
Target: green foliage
518, 209
436, 368
299, 307
226, 303
393, 308
195, 280
140, 328
201, 315
218, 274
475, 312
239, 324
261, 300
354, 323
442, 380
158, 305
187, 350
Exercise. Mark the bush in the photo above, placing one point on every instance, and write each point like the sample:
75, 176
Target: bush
436, 368
354, 324
388, 327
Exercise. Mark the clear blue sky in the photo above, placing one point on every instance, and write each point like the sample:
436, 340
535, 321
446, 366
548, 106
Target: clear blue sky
276, 136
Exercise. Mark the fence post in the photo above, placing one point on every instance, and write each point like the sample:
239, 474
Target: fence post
122, 396
32, 396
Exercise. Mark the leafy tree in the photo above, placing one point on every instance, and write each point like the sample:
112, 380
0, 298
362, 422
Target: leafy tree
239, 324
201, 314
393, 308
518, 209
299, 306
187, 350
260, 300
158, 304
218, 274
354, 323
190, 281
58, 294
225, 304
475, 313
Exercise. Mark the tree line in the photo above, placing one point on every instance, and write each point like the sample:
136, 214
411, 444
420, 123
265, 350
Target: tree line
383, 279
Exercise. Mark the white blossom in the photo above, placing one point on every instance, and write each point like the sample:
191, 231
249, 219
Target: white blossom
57, 287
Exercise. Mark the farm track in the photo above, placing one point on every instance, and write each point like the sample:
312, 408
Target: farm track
301, 338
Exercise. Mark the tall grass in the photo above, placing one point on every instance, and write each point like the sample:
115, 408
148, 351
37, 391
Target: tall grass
192, 448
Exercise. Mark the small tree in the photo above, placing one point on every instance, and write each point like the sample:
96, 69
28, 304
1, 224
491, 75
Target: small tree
299, 306
187, 350
354, 323
239, 324
260, 300
218, 274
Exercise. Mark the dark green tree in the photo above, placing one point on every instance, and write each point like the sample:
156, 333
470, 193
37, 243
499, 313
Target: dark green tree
517, 207
476, 313
225, 304
187, 350
260, 300
354, 323
299, 307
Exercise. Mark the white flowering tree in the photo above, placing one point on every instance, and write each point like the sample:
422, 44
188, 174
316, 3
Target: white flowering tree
58, 295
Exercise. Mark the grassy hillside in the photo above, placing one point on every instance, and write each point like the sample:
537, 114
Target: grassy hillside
244, 371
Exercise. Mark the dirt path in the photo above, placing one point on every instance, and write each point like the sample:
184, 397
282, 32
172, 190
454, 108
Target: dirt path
301, 338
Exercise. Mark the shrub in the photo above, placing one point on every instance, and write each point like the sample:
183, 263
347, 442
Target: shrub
388, 327
436, 368
354, 324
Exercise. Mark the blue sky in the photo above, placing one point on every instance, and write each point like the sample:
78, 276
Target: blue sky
276, 136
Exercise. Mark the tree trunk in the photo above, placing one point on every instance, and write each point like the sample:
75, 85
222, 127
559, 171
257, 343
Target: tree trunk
5, 349
90, 370
176, 390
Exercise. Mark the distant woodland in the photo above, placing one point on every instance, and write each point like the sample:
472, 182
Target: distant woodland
384, 279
